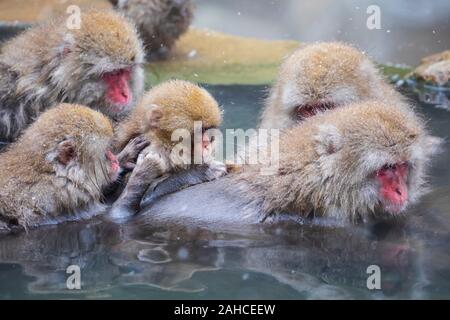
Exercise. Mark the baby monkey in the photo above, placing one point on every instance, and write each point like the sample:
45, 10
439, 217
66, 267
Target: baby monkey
57, 168
371, 169
160, 22
165, 109
319, 77
98, 64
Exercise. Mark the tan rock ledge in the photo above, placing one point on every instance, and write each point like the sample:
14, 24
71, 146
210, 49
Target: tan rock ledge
434, 69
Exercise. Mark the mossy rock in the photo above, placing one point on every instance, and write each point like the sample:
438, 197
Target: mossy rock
200, 56
211, 57
216, 58
434, 69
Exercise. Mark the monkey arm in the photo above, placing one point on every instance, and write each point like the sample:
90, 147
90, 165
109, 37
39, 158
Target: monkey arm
181, 180
127, 157
127, 161
149, 167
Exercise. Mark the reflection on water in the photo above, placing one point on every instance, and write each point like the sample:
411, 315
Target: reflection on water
278, 261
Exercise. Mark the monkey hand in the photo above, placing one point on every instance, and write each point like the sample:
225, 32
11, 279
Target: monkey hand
127, 157
149, 166
151, 161
216, 169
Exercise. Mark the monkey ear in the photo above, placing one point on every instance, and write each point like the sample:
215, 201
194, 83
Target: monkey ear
328, 140
65, 152
154, 115
66, 46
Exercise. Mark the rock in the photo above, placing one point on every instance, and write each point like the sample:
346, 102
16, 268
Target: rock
434, 69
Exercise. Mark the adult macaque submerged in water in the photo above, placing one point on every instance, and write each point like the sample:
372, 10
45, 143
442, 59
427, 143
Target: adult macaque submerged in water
171, 106
57, 168
354, 163
320, 77
98, 65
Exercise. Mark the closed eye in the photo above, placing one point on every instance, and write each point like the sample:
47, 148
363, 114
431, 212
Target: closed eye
305, 111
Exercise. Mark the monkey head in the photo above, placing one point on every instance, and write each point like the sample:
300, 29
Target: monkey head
320, 77
160, 23
366, 160
175, 105
100, 64
74, 143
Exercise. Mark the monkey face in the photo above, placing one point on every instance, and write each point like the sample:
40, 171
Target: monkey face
113, 165
392, 182
77, 148
321, 77
369, 159
180, 105
101, 64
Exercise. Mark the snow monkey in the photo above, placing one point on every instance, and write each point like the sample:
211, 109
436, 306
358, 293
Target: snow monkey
160, 22
315, 78
322, 76
168, 107
98, 65
57, 168
371, 169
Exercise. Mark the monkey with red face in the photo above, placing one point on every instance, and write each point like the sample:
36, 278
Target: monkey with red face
323, 76
98, 65
170, 106
314, 79
356, 163
58, 168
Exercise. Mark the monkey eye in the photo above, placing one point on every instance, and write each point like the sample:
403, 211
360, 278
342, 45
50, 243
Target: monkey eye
204, 129
402, 166
311, 109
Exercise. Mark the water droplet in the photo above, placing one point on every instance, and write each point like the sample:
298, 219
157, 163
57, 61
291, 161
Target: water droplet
183, 254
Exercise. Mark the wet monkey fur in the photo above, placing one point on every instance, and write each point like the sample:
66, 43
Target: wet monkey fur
98, 65
57, 169
168, 107
319, 77
160, 22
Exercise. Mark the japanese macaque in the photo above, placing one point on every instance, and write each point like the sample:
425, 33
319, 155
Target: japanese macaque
165, 109
98, 65
319, 77
57, 168
371, 169
160, 22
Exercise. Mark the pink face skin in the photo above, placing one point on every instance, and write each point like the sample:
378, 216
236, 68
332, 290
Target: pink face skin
393, 188
114, 166
118, 89
207, 142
